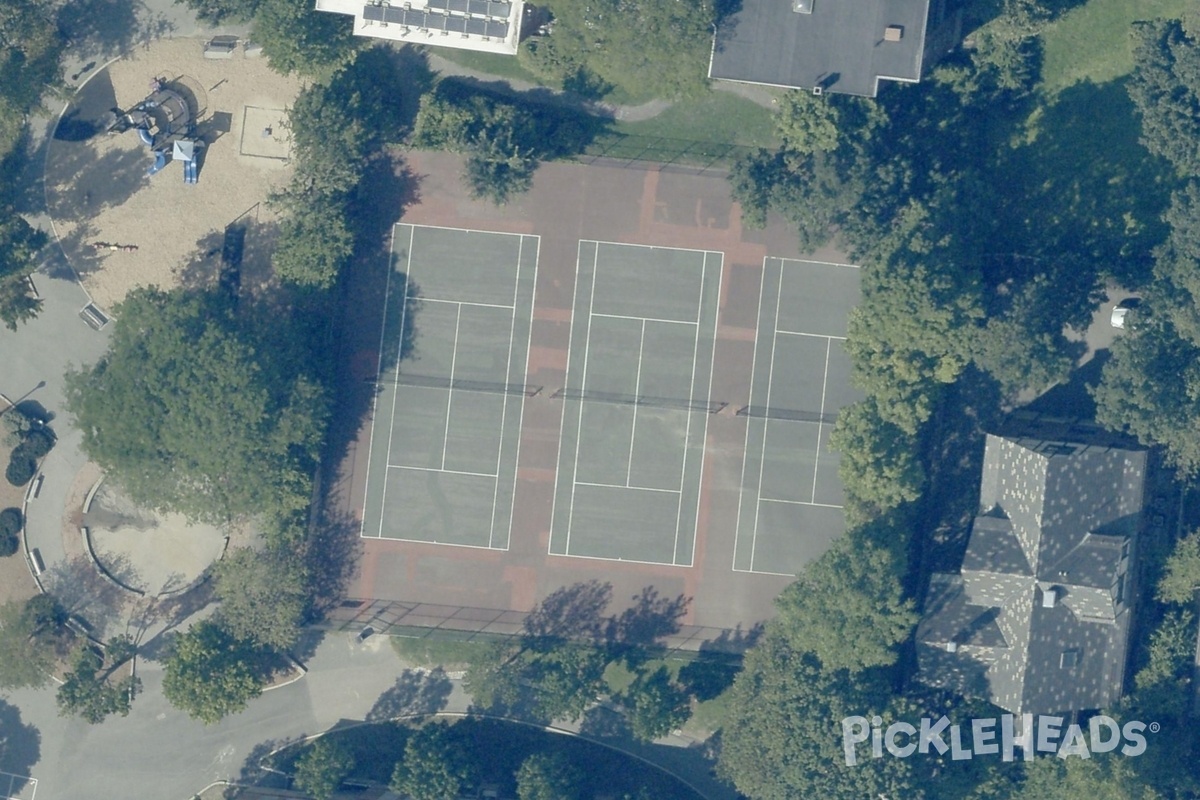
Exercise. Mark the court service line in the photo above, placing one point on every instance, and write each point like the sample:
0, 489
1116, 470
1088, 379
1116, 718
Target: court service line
813, 335
820, 424
512, 332
447, 471
644, 319
798, 503
461, 303
737, 528
448, 544
764, 572
626, 487
637, 392
822, 263
521, 419
587, 342
465, 230
617, 560
687, 430
712, 365
562, 425
762, 465
399, 354
450, 391
645, 247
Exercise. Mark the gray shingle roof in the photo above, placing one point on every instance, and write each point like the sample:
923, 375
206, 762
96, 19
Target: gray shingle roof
1058, 518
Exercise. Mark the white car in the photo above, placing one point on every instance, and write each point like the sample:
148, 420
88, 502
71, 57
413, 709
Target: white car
1121, 311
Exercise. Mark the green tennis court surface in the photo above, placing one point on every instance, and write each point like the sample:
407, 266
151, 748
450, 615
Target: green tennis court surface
636, 403
447, 422
791, 500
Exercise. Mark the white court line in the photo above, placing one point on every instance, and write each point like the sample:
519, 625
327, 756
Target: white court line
687, 429
582, 389
645, 247
637, 391
466, 303
798, 502
626, 487
12, 779
466, 230
824, 385
512, 332
644, 319
766, 427
813, 335
764, 572
562, 425
450, 391
711, 370
737, 528
618, 560
822, 263
447, 471
399, 353
521, 420
447, 544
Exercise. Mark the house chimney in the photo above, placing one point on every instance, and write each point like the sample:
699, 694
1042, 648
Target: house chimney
1050, 597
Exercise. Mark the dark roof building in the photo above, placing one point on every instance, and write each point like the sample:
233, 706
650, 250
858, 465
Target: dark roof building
1037, 620
845, 46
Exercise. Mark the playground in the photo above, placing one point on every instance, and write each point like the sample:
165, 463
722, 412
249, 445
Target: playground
156, 154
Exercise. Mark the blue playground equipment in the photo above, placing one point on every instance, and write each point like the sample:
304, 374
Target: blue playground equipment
160, 161
190, 173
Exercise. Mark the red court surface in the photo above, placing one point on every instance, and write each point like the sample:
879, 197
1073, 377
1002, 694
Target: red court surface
569, 203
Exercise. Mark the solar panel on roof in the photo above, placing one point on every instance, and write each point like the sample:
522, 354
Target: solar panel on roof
497, 29
436, 3
479, 7
457, 5
476, 26
393, 14
456, 24
500, 10
373, 13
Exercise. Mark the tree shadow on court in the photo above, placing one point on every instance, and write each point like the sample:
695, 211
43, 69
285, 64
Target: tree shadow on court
20, 747
332, 556
415, 693
571, 612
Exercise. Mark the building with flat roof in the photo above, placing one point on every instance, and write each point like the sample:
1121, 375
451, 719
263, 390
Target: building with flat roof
845, 46
490, 26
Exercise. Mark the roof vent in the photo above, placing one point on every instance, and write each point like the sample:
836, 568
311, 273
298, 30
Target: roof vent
951, 647
1050, 597
893, 33
818, 91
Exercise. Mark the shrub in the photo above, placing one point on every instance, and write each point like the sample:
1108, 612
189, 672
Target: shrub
21, 467
10, 529
37, 442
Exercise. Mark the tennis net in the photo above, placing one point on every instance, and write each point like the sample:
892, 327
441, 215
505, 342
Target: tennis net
769, 412
465, 385
707, 406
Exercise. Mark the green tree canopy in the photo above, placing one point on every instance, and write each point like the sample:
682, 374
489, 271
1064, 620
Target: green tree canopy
322, 768
1165, 87
548, 776
195, 410
848, 608
26, 649
20, 244
295, 37
879, 465
607, 42
263, 596
434, 766
210, 674
1181, 577
90, 695
1101, 777
315, 242
217, 11
655, 704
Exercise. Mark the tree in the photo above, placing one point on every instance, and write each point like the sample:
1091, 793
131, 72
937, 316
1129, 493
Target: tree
434, 766
1165, 682
210, 674
781, 738
314, 242
20, 244
1101, 777
807, 123
26, 651
295, 37
1007, 52
322, 768
1181, 575
605, 42
263, 596
548, 776
87, 694
851, 594
11, 523
655, 704
195, 410
1165, 87
215, 12
1175, 262
879, 466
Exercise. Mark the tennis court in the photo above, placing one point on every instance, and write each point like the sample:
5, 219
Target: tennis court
791, 499
636, 403
17, 787
447, 421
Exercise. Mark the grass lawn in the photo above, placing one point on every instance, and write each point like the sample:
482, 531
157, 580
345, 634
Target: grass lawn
501, 66
1092, 42
721, 117
430, 652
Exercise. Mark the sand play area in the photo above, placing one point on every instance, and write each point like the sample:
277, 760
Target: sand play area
122, 228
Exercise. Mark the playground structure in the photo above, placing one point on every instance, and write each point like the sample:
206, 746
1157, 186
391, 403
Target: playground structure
165, 123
